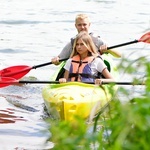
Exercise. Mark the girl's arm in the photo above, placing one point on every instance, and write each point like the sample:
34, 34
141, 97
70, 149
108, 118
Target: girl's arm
107, 74
66, 75
108, 77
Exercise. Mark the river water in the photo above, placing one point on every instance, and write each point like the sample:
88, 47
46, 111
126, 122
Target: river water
33, 31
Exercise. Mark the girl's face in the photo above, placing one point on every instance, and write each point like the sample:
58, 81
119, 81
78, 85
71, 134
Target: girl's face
81, 48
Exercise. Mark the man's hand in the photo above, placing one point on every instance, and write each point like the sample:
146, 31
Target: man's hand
55, 60
103, 49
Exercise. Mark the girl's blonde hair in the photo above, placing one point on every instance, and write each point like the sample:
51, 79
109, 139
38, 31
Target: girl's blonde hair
88, 43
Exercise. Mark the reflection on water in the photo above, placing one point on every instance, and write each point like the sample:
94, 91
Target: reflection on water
6, 117
22, 119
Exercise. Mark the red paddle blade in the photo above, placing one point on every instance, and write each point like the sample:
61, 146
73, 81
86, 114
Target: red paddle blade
5, 81
15, 72
145, 38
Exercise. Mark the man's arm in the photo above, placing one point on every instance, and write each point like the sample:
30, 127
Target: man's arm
65, 53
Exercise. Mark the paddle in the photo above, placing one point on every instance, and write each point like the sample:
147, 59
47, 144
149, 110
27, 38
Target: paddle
6, 81
18, 72
144, 38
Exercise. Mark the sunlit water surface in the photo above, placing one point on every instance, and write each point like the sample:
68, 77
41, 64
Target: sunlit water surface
32, 32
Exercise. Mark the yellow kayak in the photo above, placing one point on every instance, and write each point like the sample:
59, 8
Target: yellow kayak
64, 101
67, 100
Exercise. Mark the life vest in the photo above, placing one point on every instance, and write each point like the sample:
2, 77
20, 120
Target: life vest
80, 70
94, 38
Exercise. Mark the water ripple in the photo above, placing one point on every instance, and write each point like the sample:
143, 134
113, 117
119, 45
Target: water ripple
9, 50
13, 22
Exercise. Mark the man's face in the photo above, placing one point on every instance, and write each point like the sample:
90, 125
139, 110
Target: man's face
82, 25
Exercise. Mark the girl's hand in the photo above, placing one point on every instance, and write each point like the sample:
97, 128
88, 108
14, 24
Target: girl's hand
62, 80
98, 81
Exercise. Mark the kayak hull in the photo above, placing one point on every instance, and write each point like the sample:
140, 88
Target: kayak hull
67, 100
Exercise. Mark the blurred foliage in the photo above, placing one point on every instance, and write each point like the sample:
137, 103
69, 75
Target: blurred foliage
124, 126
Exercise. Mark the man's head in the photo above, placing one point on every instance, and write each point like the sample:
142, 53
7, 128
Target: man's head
82, 23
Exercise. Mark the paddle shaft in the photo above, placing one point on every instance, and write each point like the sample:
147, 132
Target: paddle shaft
45, 64
123, 44
57, 82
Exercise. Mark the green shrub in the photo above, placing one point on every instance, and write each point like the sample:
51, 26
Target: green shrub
124, 126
